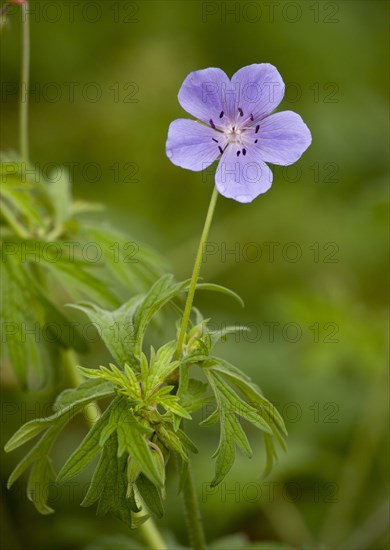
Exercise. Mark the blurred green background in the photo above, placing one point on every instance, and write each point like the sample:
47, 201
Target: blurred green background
323, 290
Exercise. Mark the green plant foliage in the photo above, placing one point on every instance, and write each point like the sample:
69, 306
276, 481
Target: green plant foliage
44, 232
142, 426
68, 404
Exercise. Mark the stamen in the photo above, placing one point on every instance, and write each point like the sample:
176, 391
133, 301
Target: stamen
241, 111
221, 114
212, 123
256, 140
220, 148
244, 152
251, 117
216, 141
257, 128
238, 153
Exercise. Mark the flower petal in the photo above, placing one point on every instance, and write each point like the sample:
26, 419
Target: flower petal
283, 138
192, 145
259, 90
242, 177
201, 94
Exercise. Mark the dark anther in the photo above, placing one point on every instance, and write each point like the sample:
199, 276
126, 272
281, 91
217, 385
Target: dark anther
238, 153
216, 141
220, 148
244, 152
257, 128
256, 140
241, 111
252, 117
221, 114
212, 123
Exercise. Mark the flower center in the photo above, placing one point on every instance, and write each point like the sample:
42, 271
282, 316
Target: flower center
239, 132
235, 135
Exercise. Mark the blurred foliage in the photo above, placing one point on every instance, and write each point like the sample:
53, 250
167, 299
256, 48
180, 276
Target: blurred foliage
46, 244
330, 490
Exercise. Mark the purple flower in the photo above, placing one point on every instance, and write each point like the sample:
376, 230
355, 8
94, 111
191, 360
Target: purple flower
235, 123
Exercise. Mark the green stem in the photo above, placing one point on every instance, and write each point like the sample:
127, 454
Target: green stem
69, 360
152, 535
24, 83
192, 513
148, 529
195, 274
190, 501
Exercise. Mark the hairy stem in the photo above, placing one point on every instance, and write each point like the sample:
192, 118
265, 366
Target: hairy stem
152, 535
195, 274
24, 83
192, 513
190, 501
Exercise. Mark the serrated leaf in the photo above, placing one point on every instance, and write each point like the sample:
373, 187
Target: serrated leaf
115, 328
41, 475
41, 448
161, 365
144, 367
124, 381
67, 405
131, 319
238, 406
150, 304
270, 453
160, 392
211, 419
171, 441
151, 495
231, 433
26, 432
162, 292
109, 485
229, 407
99, 478
250, 391
131, 439
225, 456
170, 403
87, 450
133, 471
239, 435
91, 390
187, 442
